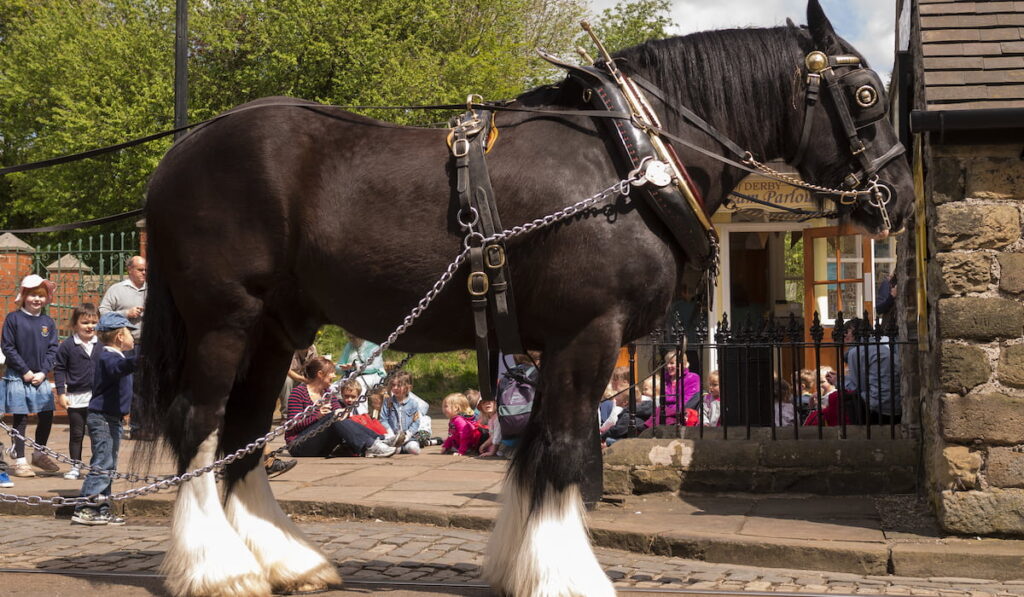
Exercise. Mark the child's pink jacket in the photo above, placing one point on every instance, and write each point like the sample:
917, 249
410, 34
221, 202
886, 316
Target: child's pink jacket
463, 435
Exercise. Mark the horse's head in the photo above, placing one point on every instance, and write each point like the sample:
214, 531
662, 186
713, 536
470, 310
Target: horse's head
845, 141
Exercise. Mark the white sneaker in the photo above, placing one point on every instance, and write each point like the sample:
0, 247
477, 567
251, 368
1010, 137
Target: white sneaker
380, 450
73, 474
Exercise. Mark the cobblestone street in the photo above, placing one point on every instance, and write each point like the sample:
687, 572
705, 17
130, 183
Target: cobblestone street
372, 551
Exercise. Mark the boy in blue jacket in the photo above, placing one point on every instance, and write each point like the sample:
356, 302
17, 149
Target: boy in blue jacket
111, 401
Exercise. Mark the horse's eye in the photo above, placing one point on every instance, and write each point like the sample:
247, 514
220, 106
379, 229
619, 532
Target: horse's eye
866, 96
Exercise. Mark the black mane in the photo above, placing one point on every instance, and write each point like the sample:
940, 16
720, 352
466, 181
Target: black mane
739, 80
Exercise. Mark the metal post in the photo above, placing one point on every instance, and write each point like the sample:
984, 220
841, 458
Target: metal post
180, 66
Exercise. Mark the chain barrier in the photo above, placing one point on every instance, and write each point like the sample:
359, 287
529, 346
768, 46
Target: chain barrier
157, 484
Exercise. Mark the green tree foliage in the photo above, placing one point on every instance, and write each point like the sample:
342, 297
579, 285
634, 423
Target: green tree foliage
629, 23
77, 74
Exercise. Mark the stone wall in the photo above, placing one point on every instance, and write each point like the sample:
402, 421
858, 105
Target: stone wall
972, 386
828, 466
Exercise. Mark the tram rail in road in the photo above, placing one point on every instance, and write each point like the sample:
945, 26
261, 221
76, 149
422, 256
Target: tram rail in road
25, 582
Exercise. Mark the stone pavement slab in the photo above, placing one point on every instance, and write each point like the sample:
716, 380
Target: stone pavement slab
828, 533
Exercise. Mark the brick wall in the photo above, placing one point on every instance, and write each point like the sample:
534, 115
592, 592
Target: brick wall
973, 383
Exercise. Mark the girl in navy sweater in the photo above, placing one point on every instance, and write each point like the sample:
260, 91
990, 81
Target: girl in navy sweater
73, 376
29, 342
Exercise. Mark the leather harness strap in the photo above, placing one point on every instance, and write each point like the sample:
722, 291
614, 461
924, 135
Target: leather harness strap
488, 281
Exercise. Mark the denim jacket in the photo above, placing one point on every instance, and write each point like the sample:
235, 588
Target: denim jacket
400, 416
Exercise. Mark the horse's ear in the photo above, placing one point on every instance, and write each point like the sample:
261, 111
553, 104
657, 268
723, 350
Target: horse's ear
825, 38
803, 38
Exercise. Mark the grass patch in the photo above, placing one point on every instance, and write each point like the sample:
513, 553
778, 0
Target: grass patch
434, 374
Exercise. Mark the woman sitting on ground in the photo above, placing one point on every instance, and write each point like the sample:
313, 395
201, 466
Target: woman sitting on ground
321, 431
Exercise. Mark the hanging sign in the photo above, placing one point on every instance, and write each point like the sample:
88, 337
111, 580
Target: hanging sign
771, 190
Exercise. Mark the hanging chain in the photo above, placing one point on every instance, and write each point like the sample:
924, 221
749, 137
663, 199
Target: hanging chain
132, 477
157, 484
796, 182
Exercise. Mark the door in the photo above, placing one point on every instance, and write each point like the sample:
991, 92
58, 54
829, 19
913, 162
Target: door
837, 262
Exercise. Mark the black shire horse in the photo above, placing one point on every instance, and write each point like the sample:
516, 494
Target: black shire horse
268, 223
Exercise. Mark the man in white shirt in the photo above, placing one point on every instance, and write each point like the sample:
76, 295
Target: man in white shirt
128, 297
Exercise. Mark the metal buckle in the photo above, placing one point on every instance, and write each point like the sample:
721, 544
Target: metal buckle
460, 147
485, 284
494, 256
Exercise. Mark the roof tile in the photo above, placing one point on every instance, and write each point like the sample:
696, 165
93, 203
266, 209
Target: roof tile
1001, 34
989, 7
973, 53
1011, 19
995, 63
955, 62
948, 8
962, 21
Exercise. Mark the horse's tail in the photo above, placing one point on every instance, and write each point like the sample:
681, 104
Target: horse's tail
160, 367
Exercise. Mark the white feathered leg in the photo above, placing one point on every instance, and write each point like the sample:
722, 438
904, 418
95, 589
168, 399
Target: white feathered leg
546, 552
289, 558
206, 557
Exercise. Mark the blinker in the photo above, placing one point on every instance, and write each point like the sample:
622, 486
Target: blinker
862, 90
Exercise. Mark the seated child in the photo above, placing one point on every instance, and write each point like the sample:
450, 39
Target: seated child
376, 402
111, 401
808, 391
464, 433
647, 390
350, 391
611, 406
473, 396
712, 402
489, 412
400, 414
782, 403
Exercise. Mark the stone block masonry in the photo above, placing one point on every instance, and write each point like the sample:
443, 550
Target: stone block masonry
973, 382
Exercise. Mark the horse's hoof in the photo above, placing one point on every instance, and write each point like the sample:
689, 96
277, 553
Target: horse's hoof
247, 585
305, 589
317, 580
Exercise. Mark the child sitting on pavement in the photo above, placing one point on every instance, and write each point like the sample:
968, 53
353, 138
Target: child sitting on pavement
350, 390
111, 401
489, 416
400, 414
464, 433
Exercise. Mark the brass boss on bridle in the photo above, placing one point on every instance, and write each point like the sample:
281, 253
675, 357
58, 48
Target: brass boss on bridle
857, 98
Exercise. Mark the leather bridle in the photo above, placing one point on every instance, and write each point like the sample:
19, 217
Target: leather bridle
857, 98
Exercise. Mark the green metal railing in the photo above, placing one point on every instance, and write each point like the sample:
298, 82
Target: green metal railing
83, 269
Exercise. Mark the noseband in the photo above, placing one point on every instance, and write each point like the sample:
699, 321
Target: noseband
856, 96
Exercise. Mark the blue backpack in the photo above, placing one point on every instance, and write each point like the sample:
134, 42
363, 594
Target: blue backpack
516, 391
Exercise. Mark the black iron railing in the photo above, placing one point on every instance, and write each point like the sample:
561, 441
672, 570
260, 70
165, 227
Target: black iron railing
772, 374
